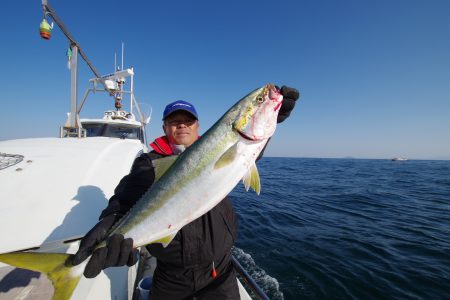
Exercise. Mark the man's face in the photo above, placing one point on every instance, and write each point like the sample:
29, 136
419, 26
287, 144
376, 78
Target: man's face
181, 128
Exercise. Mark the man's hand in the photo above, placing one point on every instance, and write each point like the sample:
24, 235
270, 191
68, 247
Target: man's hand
117, 252
290, 96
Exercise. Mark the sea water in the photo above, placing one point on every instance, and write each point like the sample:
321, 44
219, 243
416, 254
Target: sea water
347, 229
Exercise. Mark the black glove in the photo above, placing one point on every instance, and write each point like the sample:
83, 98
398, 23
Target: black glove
117, 252
290, 96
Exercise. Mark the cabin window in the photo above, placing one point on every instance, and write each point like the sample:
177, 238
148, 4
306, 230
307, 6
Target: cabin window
93, 129
113, 130
125, 132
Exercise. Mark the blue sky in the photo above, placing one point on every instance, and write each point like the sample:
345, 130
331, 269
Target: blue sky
374, 75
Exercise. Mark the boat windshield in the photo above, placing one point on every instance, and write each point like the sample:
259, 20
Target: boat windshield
113, 130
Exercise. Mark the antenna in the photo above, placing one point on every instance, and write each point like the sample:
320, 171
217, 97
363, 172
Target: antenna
122, 55
115, 63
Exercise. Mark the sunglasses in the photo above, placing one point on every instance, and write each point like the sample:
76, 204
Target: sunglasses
177, 122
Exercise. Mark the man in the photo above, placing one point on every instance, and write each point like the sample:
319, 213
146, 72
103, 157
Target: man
197, 263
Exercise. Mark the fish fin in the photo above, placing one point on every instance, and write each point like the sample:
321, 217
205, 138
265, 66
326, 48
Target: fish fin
63, 278
161, 165
251, 179
165, 241
226, 158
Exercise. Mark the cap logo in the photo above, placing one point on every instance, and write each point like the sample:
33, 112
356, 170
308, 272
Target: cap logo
181, 104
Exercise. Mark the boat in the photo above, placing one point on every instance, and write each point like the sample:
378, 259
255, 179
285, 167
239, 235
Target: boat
54, 189
399, 159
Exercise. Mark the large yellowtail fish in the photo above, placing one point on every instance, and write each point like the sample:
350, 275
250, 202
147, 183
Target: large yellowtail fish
188, 186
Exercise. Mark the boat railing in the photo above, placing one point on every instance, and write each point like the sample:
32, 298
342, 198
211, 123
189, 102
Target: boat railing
248, 280
147, 265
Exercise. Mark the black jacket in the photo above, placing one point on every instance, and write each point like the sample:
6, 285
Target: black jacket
206, 239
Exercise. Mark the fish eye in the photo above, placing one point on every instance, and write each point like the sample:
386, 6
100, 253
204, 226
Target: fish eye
259, 99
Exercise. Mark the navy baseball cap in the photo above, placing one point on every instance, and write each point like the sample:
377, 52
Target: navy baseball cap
179, 105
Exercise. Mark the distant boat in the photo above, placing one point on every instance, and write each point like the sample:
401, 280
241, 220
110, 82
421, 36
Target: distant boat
399, 159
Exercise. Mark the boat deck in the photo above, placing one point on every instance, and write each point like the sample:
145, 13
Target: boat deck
20, 284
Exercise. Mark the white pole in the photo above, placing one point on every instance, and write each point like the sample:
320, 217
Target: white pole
132, 92
73, 87
122, 55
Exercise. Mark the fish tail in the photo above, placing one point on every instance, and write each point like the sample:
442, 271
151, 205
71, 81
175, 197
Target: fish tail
64, 278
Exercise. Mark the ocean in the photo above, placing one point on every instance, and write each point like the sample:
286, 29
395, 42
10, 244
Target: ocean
347, 229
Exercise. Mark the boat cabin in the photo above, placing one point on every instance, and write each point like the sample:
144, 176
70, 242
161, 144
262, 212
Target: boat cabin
115, 124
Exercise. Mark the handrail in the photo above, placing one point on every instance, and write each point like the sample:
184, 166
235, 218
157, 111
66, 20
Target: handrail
248, 280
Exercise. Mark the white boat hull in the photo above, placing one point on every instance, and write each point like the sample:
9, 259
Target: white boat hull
54, 195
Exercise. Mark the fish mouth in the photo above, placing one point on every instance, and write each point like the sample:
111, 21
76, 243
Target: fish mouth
274, 94
245, 136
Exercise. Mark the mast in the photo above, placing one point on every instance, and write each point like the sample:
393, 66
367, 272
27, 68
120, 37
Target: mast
72, 126
49, 11
113, 83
